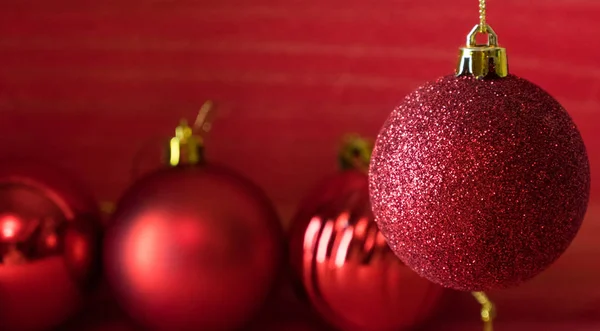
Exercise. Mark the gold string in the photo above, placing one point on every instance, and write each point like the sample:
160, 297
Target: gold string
488, 311
482, 18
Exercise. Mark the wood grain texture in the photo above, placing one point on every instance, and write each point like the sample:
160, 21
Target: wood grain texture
86, 84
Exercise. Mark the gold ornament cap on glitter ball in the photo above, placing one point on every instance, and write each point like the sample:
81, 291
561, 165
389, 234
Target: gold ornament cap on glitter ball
187, 147
482, 61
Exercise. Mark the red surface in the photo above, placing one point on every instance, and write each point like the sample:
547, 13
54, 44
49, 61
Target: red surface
84, 84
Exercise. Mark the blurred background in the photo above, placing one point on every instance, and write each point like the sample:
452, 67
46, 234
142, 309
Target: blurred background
86, 85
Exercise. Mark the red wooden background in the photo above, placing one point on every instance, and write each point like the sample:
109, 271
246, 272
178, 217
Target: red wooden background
86, 83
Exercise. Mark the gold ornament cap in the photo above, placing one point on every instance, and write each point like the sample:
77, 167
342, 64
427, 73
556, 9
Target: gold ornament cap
187, 147
355, 153
482, 61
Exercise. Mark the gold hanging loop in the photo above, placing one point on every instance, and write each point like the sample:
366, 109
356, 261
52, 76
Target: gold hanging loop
203, 122
488, 311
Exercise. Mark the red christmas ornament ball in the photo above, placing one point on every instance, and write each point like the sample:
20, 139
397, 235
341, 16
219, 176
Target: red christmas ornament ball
50, 238
479, 184
347, 270
193, 248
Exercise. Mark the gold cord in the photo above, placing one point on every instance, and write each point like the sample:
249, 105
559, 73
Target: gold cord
482, 18
488, 311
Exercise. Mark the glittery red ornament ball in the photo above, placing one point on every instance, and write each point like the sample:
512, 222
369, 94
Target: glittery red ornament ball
479, 184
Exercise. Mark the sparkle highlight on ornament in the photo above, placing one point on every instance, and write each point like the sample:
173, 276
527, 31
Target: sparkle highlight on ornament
324, 242
11, 225
312, 231
344, 245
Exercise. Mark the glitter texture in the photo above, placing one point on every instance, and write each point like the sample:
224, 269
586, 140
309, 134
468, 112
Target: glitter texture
479, 184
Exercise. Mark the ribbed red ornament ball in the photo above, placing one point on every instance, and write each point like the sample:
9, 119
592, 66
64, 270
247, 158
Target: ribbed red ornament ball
50, 239
345, 268
479, 180
194, 246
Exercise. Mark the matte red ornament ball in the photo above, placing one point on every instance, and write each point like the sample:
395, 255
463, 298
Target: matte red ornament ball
193, 248
50, 240
479, 184
346, 269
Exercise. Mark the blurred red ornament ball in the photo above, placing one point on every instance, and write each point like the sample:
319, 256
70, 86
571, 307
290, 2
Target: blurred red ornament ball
347, 270
49, 246
193, 248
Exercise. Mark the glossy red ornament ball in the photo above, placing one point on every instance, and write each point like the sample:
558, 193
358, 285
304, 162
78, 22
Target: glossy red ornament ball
193, 248
347, 270
50, 239
479, 184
